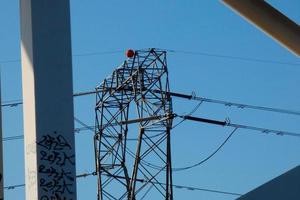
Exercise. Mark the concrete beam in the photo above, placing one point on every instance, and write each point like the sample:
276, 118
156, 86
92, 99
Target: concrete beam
285, 186
270, 21
48, 100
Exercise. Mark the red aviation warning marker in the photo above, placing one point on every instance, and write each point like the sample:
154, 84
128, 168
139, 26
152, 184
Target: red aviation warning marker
129, 53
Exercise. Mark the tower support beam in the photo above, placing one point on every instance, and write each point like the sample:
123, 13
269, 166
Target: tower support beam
48, 100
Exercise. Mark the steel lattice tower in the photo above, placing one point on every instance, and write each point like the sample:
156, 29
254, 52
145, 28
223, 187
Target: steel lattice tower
133, 122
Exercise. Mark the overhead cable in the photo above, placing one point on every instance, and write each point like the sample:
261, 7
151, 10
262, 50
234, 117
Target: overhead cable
190, 188
229, 124
190, 113
233, 104
197, 164
206, 54
20, 137
74, 55
208, 157
233, 57
12, 187
190, 97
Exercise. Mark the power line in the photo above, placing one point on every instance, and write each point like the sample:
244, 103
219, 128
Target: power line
233, 104
92, 129
20, 137
74, 55
190, 188
239, 105
202, 161
12, 187
12, 104
17, 102
206, 190
233, 57
229, 124
263, 130
222, 123
176, 125
84, 127
186, 187
208, 157
190, 97
98, 53
16, 137
10, 61
185, 117
236, 126
178, 51
190, 113
176, 169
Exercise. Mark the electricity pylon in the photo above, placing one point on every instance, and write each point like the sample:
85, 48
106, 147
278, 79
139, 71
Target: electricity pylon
133, 122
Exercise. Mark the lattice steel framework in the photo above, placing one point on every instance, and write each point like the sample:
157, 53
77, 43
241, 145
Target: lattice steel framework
133, 122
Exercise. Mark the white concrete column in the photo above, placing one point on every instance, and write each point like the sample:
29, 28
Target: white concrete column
48, 100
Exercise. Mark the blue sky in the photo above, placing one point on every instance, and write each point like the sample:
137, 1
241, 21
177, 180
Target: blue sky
248, 160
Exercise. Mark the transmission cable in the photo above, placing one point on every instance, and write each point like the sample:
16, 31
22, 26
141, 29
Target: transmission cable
190, 97
84, 127
230, 104
159, 168
20, 137
176, 169
232, 57
228, 123
12, 187
12, 103
190, 188
190, 113
177, 51
84, 124
208, 157
74, 55
223, 123
76, 130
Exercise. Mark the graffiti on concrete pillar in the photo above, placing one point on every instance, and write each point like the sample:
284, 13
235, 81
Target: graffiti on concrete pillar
56, 156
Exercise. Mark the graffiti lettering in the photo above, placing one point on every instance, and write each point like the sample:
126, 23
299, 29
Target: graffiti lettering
55, 179
55, 197
55, 143
58, 158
